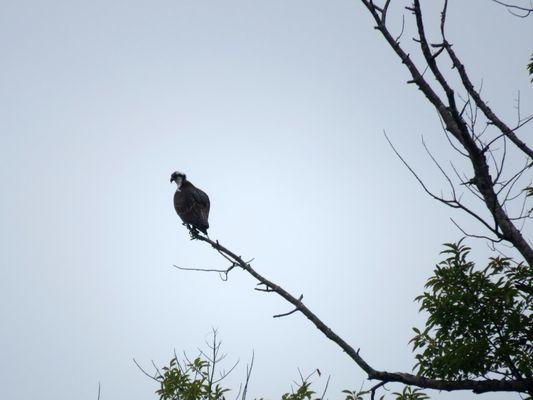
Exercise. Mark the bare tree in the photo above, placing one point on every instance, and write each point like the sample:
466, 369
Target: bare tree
479, 136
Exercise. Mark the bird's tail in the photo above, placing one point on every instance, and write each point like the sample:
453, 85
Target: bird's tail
204, 229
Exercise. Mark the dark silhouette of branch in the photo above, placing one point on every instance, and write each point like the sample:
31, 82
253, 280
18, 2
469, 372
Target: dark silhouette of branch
454, 202
483, 105
526, 11
249, 368
474, 236
153, 377
325, 387
397, 40
489, 385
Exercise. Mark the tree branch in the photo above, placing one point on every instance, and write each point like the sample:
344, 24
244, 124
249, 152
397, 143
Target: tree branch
489, 385
526, 10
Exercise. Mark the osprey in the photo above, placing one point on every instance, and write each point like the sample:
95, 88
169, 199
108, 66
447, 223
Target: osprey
191, 203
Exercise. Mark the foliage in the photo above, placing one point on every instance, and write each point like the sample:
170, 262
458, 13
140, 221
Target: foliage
353, 395
480, 321
408, 393
195, 380
303, 392
191, 382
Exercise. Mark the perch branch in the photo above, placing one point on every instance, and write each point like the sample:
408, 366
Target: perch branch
489, 385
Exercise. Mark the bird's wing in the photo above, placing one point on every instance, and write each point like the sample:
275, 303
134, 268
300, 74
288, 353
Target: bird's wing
201, 208
201, 197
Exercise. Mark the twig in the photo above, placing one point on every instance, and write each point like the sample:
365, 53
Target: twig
223, 273
374, 388
526, 10
397, 40
290, 312
248, 375
325, 388
144, 372
475, 236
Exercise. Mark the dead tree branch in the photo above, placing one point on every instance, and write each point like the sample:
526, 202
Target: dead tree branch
526, 11
489, 385
223, 273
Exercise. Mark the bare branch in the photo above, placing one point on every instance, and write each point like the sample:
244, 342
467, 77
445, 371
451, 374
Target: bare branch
384, 11
325, 388
374, 388
442, 200
515, 177
430, 59
453, 203
526, 10
447, 134
483, 105
224, 374
523, 122
291, 312
146, 373
443, 19
248, 375
475, 236
452, 187
489, 385
223, 273
397, 40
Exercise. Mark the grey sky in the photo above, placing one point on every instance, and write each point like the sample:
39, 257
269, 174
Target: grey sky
276, 109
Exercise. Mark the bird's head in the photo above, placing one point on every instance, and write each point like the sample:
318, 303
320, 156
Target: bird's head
178, 177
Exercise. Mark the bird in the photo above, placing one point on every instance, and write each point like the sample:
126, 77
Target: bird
191, 204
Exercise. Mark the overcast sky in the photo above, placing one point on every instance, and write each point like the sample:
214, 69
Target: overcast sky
276, 109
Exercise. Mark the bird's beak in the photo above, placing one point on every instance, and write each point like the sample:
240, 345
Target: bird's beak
171, 179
